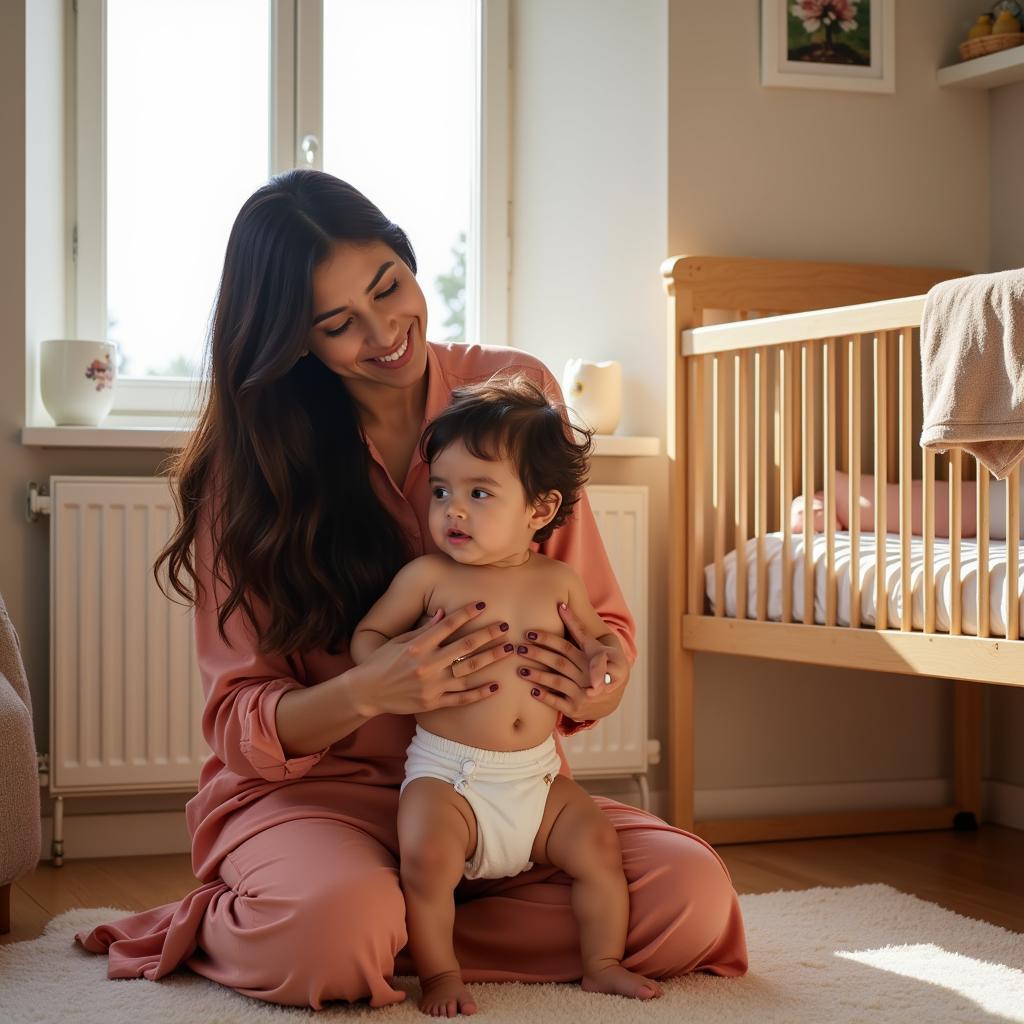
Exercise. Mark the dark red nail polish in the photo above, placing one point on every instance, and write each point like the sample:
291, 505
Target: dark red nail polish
524, 671
535, 692
493, 687
481, 604
504, 627
509, 648
522, 650
531, 636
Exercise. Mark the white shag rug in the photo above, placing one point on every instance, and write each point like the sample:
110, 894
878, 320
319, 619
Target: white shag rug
827, 956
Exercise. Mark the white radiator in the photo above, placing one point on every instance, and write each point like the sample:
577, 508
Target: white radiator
618, 744
126, 699
125, 695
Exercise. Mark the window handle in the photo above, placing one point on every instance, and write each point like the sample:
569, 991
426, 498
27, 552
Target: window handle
310, 147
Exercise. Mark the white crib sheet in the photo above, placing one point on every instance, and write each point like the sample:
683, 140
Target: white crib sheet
866, 571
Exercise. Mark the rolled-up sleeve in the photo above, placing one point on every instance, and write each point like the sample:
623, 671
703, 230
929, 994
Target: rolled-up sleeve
241, 685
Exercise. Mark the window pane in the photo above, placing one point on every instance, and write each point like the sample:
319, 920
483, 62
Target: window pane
188, 94
399, 113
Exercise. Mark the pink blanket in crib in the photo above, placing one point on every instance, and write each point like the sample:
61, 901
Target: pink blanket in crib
972, 368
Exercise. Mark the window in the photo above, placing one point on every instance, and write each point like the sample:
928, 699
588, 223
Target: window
183, 109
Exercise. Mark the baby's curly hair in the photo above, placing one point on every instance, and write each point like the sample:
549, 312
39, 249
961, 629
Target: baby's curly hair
511, 417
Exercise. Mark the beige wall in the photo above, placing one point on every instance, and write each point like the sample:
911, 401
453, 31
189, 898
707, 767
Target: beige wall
807, 174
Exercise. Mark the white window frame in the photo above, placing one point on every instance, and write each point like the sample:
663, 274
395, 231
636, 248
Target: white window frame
296, 112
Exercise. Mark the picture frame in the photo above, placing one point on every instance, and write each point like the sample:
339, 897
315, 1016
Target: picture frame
829, 44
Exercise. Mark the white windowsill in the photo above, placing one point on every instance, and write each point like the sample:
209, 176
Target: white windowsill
164, 435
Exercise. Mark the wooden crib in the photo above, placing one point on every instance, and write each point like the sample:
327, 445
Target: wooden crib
780, 375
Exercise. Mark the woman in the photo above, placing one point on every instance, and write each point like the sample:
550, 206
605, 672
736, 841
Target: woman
301, 494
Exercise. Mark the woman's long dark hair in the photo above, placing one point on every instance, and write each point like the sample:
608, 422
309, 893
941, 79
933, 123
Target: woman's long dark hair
277, 465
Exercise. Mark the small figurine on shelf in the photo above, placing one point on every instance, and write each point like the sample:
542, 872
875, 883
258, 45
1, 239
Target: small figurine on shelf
998, 29
982, 27
1008, 19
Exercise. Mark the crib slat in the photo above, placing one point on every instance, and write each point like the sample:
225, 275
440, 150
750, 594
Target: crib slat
741, 401
697, 449
853, 503
761, 484
786, 475
881, 476
807, 354
1012, 553
906, 472
928, 508
718, 479
828, 400
981, 474
843, 391
955, 603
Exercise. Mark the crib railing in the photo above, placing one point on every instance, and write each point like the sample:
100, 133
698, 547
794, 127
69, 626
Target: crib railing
787, 400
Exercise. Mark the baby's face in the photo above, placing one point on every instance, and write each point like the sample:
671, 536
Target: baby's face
478, 509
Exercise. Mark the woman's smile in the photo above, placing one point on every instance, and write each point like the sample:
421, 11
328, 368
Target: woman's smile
399, 355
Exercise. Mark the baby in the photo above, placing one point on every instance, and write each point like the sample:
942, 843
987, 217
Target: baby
482, 795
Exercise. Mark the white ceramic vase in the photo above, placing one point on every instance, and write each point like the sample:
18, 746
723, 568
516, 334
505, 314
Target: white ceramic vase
594, 392
77, 380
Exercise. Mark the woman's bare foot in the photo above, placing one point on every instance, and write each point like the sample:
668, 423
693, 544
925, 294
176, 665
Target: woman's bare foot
617, 981
445, 995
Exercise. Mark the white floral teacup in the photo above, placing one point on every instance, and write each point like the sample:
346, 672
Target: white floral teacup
77, 380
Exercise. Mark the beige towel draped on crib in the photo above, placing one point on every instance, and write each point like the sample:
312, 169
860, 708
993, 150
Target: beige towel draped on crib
972, 368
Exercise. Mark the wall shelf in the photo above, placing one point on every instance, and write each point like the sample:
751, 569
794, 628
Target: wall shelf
988, 72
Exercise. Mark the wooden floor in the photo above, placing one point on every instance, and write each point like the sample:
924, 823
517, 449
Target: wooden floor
977, 874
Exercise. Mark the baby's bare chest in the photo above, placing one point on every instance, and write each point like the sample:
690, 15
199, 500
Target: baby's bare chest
525, 600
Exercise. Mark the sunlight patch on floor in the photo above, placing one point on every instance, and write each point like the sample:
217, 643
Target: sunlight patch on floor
995, 988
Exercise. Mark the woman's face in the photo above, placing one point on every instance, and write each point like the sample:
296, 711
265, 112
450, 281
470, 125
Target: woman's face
369, 316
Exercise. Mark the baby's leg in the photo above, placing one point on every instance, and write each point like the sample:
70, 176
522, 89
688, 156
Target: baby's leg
575, 836
436, 835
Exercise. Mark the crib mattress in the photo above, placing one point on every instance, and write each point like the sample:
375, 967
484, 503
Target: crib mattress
866, 572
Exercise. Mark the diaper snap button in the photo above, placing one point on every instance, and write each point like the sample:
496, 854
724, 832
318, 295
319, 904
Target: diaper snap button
468, 767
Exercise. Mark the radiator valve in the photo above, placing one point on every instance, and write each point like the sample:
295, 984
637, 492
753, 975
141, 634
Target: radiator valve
38, 503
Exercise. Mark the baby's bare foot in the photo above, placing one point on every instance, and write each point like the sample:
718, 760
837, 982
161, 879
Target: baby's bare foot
445, 995
617, 981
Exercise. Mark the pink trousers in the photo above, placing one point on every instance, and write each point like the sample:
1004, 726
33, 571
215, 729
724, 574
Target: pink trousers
311, 910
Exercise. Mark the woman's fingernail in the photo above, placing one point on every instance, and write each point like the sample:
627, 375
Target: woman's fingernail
524, 671
509, 648
481, 604
521, 649
504, 627
493, 687
535, 692
531, 636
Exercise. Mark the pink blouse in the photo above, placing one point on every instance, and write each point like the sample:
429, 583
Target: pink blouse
248, 783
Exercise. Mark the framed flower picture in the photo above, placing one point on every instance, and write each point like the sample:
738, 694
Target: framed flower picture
828, 44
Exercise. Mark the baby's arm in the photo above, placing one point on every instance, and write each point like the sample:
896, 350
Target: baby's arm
397, 609
866, 504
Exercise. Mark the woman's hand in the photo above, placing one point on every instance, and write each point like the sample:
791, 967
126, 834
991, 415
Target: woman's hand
584, 681
418, 671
